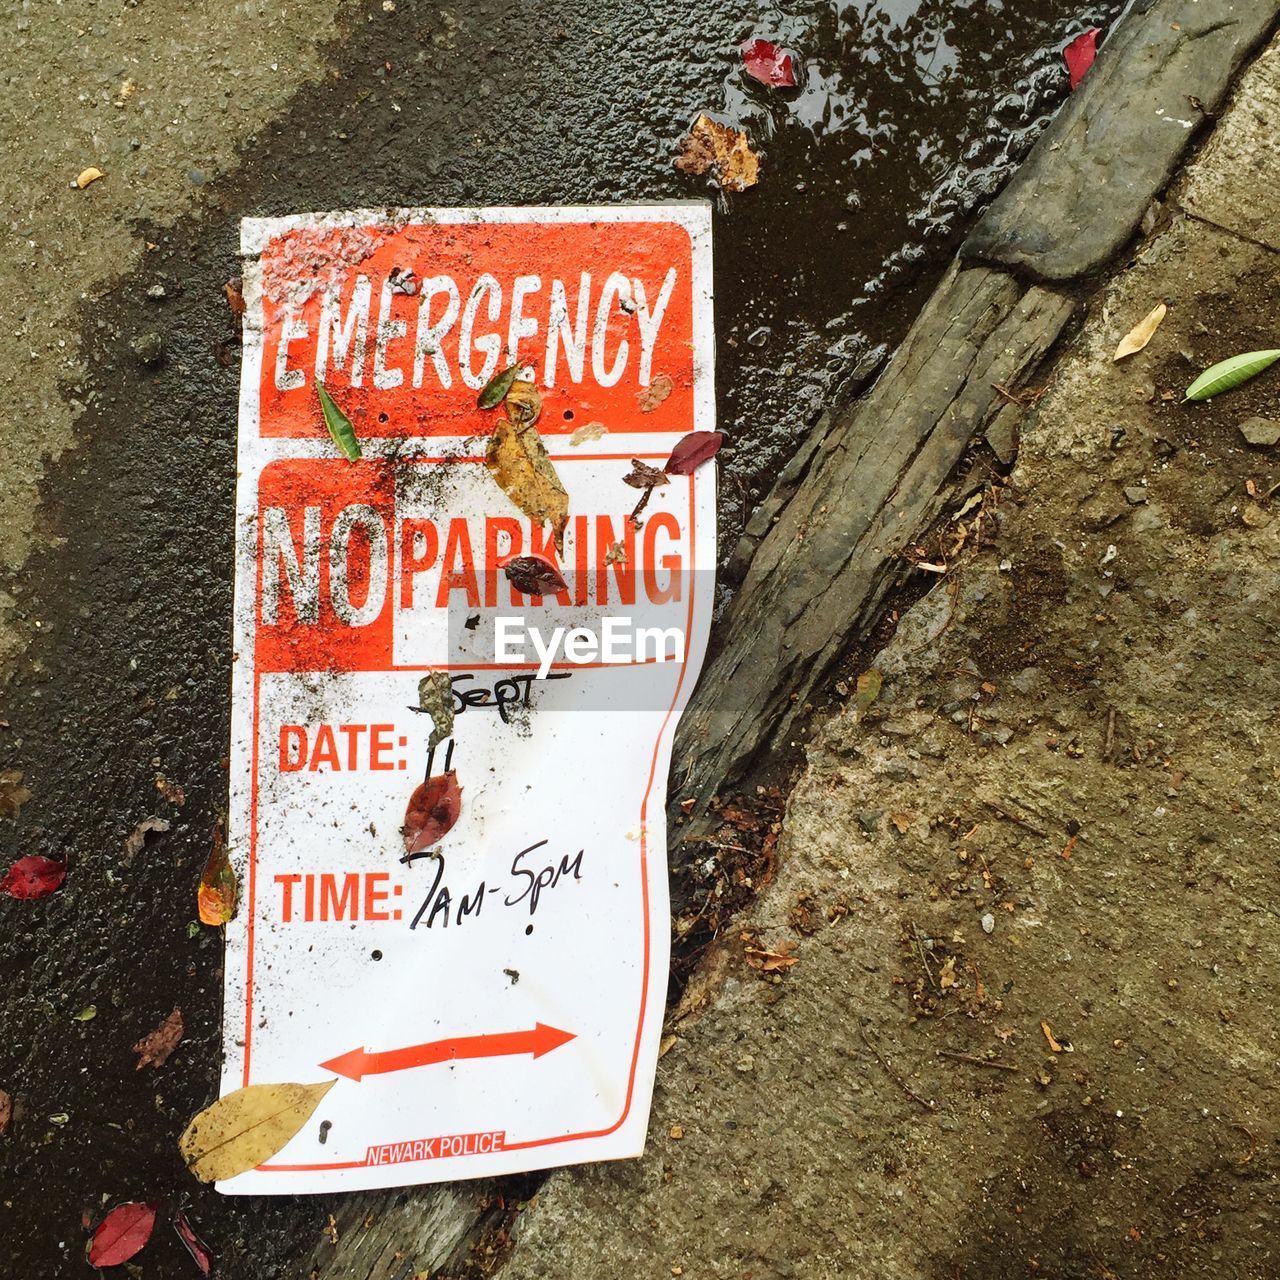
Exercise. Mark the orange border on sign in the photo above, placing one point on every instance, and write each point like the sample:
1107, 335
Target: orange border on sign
644, 870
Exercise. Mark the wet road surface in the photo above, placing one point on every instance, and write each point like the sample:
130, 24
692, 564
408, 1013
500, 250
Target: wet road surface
910, 114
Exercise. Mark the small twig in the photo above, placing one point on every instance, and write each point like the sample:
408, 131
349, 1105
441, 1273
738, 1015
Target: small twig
975, 1061
1109, 745
721, 844
927, 1103
924, 959
1012, 817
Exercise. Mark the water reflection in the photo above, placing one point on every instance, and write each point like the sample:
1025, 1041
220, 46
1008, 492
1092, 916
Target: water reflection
909, 116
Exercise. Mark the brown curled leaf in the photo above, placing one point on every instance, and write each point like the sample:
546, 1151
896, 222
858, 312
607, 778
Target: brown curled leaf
534, 576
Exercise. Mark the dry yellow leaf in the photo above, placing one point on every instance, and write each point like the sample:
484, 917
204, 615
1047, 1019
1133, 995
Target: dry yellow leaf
1141, 333
947, 974
518, 461
523, 403
1050, 1037
86, 176
240, 1131
722, 149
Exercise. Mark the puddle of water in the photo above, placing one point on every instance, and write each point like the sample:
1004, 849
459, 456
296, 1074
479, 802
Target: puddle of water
910, 116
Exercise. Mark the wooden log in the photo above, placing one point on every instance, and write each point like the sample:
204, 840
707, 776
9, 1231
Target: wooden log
396, 1235
1078, 198
884, 475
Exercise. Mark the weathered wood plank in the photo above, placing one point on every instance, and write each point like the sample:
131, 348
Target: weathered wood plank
1116, 143
884, 475
408, 1234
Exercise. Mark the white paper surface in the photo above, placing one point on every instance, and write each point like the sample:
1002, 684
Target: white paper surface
498, 1007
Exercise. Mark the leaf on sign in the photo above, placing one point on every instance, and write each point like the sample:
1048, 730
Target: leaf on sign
196, 1247
655, 393
433, 809
1141, 333
339, 425
1228, 374
494, 392
216, 897
154, 1048
33, 877
138, 836
435, 697
692, 451
1080, 53
518, 461
523, 403
584, 435
869, 685
725, 151
248, 1126
534, 576
771, 65
643, 476
13, 795
121, 1234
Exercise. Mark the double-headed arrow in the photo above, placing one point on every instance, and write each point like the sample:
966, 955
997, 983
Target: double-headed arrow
360, 1063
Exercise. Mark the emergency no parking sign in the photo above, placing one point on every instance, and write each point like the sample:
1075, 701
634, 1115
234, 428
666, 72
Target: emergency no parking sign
448, 792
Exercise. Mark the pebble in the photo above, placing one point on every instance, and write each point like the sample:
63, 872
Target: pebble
148, 347
1136, 493
1260, 432
1029, 679
988, 922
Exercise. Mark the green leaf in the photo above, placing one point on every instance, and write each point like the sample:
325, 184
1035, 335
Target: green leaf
494, 392
869, 683
1230, 373
340, 428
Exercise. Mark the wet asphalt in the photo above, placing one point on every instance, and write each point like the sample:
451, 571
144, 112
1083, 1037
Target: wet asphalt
911, 115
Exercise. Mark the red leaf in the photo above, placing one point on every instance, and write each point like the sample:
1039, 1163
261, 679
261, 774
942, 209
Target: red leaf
121, 1234
433, 809
1080, 53
195, 1246
769, 64
534, 576
692, 451
33, 877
